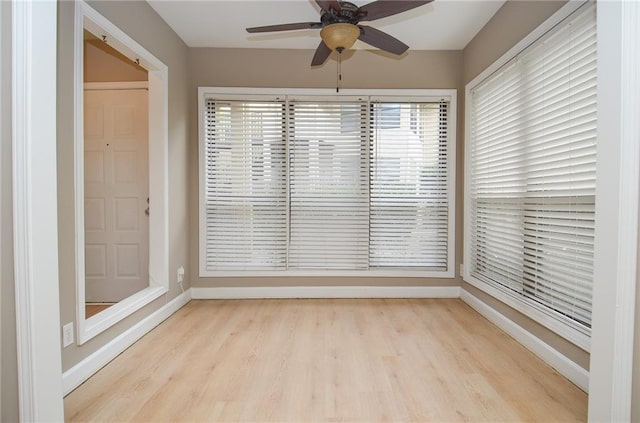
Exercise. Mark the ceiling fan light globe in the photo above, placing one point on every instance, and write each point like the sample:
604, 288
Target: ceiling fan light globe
340, 35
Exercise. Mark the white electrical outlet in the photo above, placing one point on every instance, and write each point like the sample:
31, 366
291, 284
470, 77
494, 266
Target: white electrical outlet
67, 335
180, 274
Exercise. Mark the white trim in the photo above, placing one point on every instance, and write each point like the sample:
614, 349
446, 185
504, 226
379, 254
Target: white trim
78, 160
35, 221
617, 195
371, 273
99, 26
87, 17
76, 375
548, 354
325, 292
565, 330
242, 93
524, 306
121, 85
105, 319
286, 94
452, 142
201, 190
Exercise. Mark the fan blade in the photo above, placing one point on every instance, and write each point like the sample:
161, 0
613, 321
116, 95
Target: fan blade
322, 53
285, 27
329, 4
383, 8
382, 40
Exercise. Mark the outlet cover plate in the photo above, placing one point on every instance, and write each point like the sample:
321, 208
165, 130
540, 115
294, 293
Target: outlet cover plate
67, 335
180, 274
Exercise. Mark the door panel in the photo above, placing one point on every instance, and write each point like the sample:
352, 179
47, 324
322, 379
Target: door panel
116, 194
127, 260
94, 216
126, 166
94, 166
96, 261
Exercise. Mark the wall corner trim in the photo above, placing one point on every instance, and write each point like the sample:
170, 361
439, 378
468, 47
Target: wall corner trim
220, 293
76, 375
551, 356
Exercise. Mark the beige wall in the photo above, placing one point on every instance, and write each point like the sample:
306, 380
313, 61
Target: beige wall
8, 358
102, 63
515, 20
291, 69
140, 22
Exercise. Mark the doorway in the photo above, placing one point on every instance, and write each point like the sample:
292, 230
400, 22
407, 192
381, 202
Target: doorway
121, 175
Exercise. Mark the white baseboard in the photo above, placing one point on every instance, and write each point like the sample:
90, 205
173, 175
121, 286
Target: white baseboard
548, 354
73, 377
325, 292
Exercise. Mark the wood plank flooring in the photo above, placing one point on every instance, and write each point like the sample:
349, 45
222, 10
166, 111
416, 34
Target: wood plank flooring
326, 361
91, 309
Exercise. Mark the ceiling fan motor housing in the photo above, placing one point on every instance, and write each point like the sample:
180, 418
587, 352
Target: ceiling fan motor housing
348, 13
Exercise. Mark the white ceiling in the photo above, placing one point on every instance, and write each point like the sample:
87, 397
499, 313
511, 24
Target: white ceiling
441, 25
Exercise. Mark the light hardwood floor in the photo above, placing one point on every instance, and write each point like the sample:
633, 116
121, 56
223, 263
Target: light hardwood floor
326, 361
91, 309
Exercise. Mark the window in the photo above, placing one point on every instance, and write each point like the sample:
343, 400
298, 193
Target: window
530, 167
329, 204
308, 184
245, 200
409, 200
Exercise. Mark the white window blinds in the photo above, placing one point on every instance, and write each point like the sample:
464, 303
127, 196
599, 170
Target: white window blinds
245, 207
316, 183
328, 186
409, 185
531, 173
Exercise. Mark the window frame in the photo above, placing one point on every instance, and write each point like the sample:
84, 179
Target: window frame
517, 302
286, 94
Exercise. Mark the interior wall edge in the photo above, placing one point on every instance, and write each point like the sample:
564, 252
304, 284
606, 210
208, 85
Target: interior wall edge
9, 405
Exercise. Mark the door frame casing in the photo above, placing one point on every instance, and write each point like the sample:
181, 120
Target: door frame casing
35, 217
89, 18
617, 211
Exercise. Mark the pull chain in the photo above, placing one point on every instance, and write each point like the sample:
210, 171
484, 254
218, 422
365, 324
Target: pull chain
339, 69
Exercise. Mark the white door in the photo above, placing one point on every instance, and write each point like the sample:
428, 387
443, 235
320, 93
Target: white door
116, 193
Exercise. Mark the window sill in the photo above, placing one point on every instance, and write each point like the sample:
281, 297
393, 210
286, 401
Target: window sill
404, 272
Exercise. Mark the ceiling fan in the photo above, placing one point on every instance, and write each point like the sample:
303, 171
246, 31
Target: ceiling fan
339, 24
